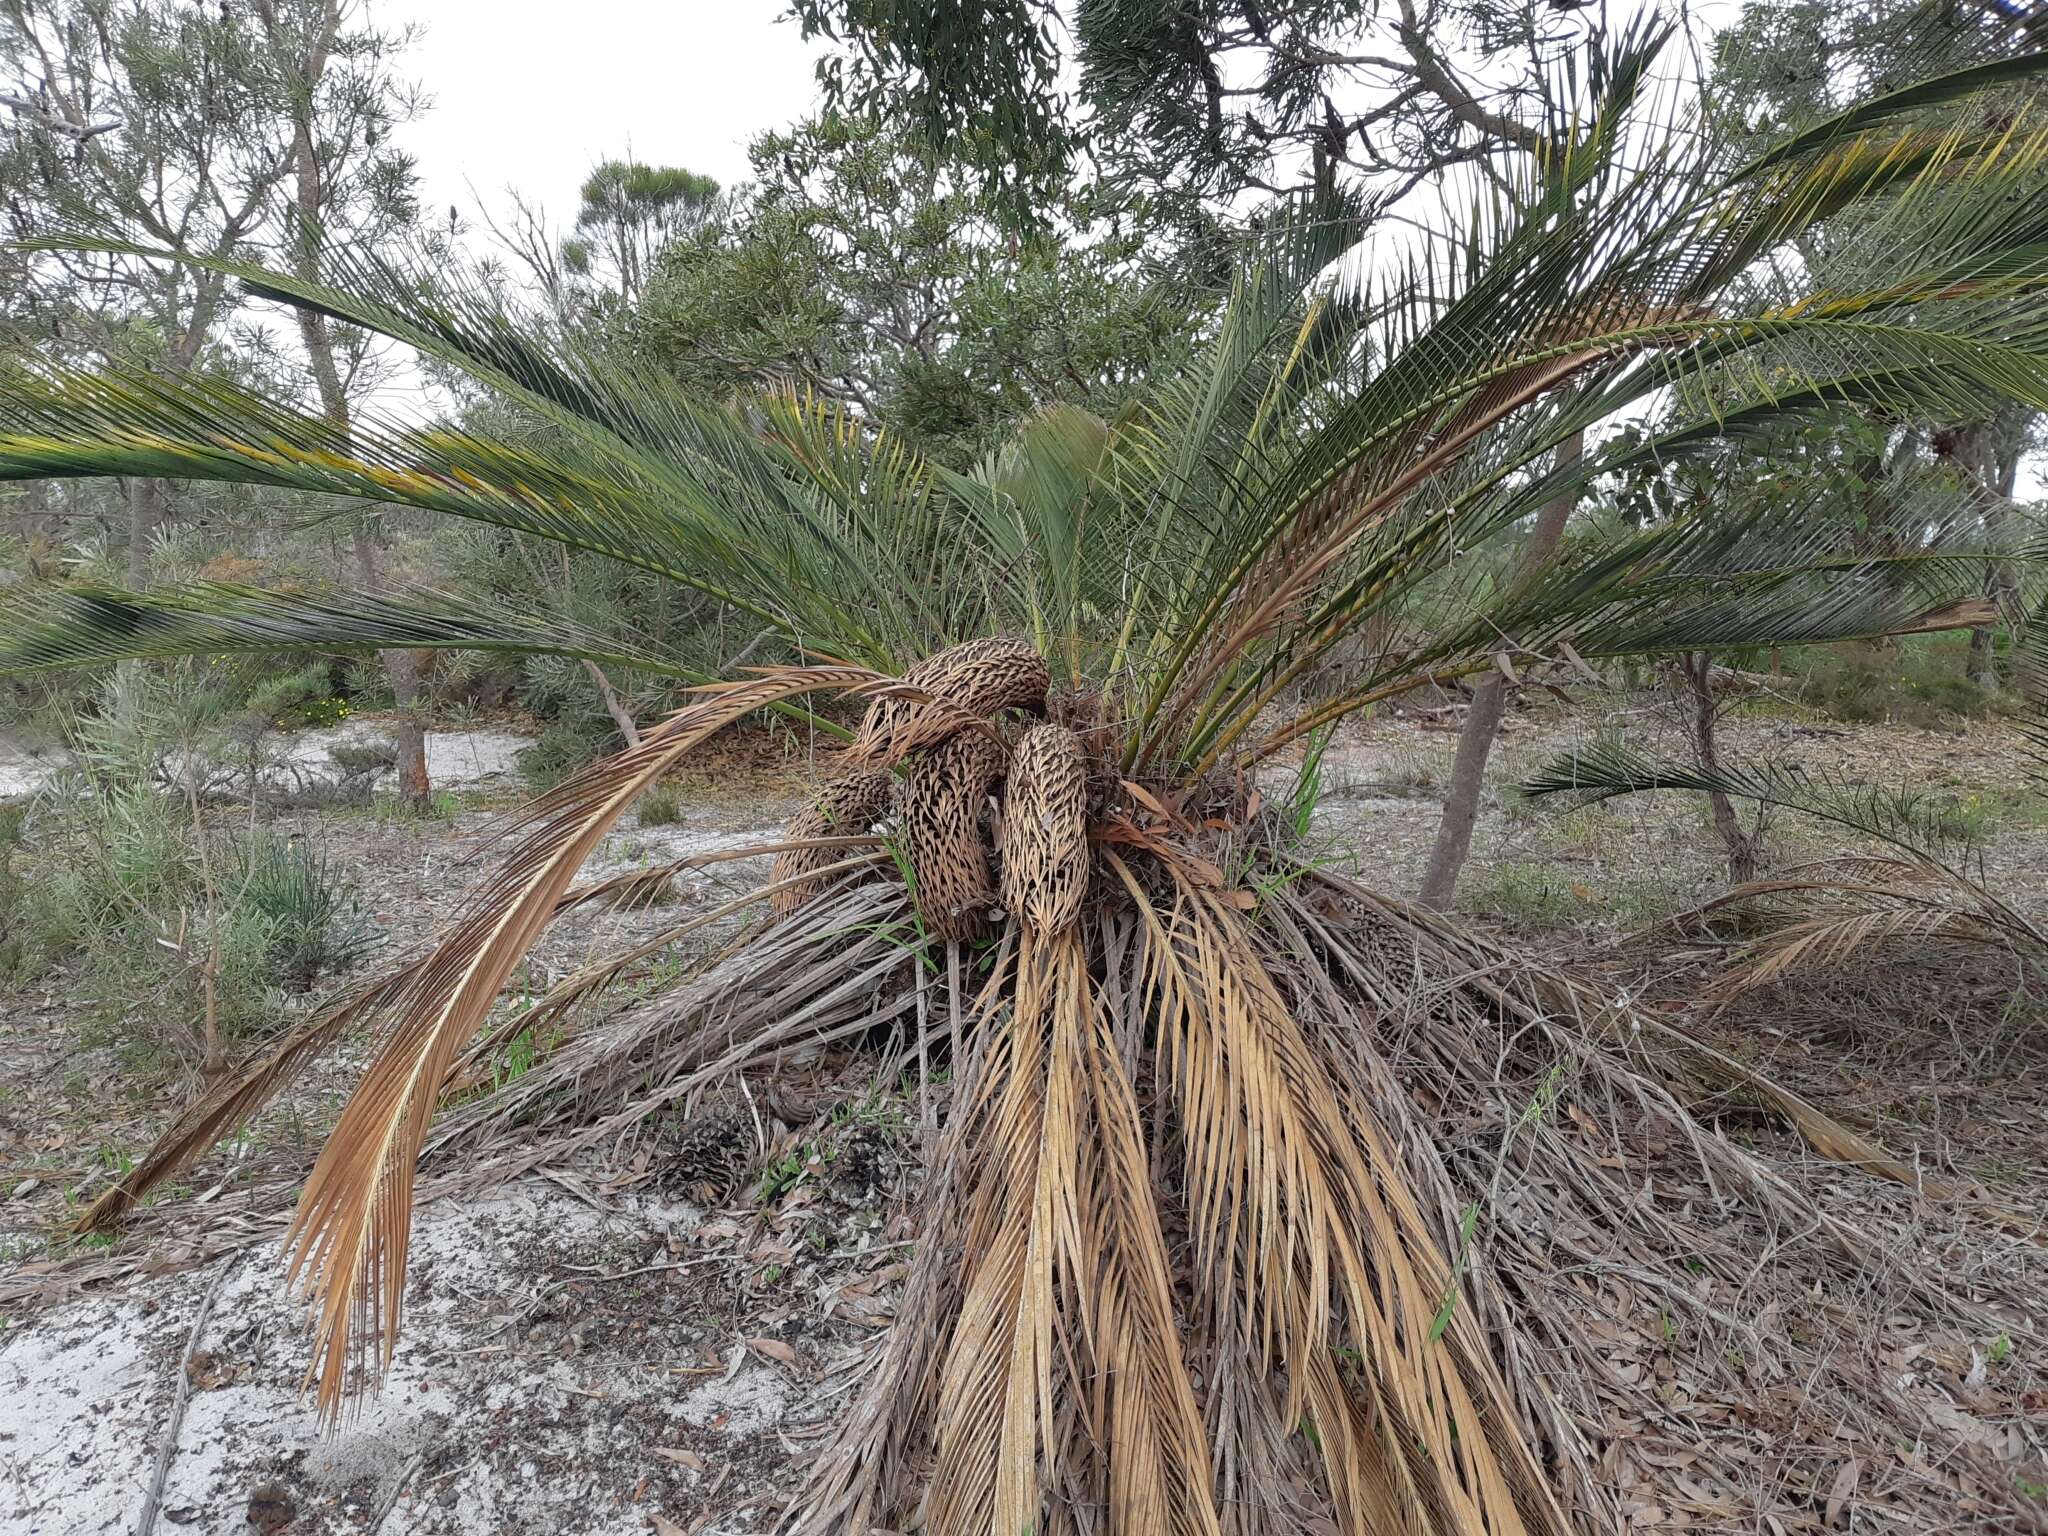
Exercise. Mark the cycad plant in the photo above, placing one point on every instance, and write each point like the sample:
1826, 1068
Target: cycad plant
1834, 913
1209, 1234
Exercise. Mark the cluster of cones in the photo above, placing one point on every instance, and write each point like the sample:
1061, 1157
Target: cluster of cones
976, 795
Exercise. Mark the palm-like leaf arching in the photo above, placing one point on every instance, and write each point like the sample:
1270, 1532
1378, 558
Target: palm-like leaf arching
1179, 574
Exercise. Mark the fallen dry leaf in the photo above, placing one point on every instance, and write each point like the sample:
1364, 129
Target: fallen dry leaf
1839, 1494
774, 1349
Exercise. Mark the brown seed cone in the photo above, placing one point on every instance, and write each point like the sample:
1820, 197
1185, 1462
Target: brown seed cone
843, 808
1044, 833
967, 682
942, 803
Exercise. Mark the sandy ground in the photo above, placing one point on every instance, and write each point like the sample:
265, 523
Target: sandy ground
23, 769
455, 759
512, 1403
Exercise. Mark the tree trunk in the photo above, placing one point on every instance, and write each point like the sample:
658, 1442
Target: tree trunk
1982, 664
403, 668
39, 523
145, 512
1482, 720
1743, 847
1988, 462
400, 666
2002, 583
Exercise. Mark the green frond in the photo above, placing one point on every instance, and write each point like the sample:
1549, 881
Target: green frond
1913, 820
1940, 90
42, 629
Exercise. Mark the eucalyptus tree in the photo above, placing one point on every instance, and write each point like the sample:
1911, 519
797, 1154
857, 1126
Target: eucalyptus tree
861, 264
174, 122
1212, 102
1247, 1208
340, 102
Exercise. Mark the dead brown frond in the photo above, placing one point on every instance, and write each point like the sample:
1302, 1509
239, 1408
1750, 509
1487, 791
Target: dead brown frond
575, 992
1835, 939
995, 1425
1305, 1220
349, 1237
1562, 1144
1067, 1313
863, 1479
1139, 1403
836, 970
232, 1102
1831, 913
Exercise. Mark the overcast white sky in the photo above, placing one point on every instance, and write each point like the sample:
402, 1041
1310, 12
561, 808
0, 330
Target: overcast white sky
533, 95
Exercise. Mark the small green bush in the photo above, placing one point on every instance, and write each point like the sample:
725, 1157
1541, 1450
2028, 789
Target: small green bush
390, 805
661, 806
145, 849
1920, 681
122, 890
559, 751
14, 937
300, 698
1522, 891
312, 922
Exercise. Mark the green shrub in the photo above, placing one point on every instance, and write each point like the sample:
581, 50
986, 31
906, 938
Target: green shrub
1920, 681
144, 844
122, 889
357, 767
661, 806
304, 697
14, 936
369, 686
1523, 891
559, 751
390, 805
311, 921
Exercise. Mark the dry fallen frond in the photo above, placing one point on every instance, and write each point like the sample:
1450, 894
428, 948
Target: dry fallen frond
1598, 1189
578, 990
861, 1480
1305, 1218
1832, 912
349, 1237
1829, 940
